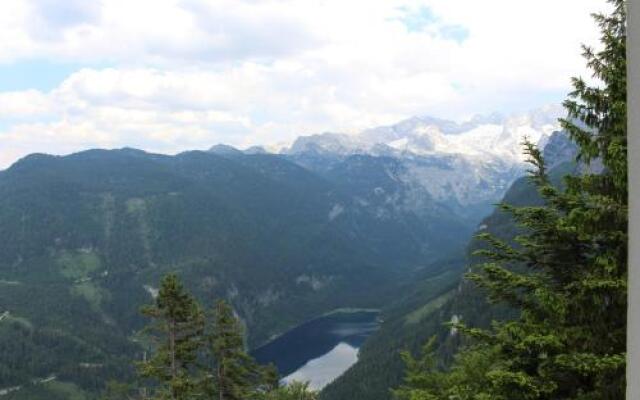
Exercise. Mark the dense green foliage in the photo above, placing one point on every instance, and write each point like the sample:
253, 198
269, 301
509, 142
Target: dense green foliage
565, 274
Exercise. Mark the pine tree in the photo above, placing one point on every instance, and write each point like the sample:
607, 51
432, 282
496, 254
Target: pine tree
236, 375
292, 391
567, 273
422, 379
466, 380
269, 378
177, 329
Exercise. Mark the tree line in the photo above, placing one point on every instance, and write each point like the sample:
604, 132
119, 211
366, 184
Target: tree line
195, 354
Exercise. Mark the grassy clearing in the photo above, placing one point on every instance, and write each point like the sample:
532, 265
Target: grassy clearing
19, 320
78, 265
65, 390
93, 294
136, 205
426, 310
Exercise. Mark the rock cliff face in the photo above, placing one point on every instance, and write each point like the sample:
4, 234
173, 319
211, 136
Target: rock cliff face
463, 166
559, 148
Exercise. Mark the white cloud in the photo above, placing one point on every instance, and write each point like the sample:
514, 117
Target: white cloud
24, 104
188, 74
150, 31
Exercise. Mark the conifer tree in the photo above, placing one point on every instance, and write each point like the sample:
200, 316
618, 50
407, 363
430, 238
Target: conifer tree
466, 379
292, 391
567, 273
177, 329
236, 375
269, 378
422, 378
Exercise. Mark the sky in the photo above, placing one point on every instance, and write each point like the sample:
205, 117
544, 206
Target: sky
174, 75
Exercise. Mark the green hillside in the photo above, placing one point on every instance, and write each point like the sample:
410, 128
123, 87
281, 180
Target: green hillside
428, 305
84, 240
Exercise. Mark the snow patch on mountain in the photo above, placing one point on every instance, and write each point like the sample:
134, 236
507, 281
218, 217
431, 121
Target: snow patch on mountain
335, 211
462, 164
493, 136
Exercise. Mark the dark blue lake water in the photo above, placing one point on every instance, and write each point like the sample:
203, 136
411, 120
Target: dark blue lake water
320, 350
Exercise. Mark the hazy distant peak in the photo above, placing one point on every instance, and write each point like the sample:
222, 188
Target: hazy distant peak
493, 118
326, 142
224, 150
255, 150
558, 149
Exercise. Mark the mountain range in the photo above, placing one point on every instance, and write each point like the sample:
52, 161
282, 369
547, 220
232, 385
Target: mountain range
466, 166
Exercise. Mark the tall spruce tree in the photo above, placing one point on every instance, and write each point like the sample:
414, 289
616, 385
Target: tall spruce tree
192, 361
176, 330
567, 273
236, 375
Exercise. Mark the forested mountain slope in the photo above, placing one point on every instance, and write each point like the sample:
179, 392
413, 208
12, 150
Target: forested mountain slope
85, 238
441, 297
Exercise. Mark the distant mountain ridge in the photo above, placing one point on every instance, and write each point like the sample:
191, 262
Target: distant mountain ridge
466, 166
485, 136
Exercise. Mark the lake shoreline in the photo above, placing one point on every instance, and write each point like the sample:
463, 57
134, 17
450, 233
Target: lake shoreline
322, 348
342, 310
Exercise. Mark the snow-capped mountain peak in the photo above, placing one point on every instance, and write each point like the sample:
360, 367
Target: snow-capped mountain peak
465, 163
492, 136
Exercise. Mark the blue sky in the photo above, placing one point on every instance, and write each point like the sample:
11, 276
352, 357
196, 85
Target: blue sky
171, 75
423, 19
418, 19
43, 74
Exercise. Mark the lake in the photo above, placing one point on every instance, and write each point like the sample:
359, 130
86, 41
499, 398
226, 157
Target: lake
320, 350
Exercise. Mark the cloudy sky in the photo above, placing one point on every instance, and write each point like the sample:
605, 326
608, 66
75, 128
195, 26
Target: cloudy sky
171, 75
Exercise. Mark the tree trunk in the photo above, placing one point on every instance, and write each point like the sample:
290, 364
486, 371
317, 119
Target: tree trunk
172, 351
220, 381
